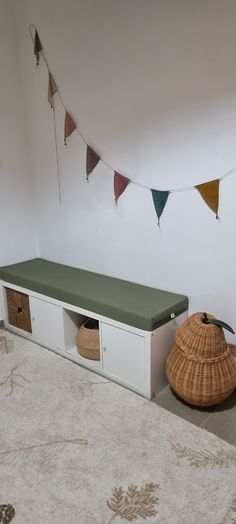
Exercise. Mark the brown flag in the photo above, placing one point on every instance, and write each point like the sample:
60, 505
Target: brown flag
69, 126
120, 184
91, 161
52, 89
210, 194
37, 46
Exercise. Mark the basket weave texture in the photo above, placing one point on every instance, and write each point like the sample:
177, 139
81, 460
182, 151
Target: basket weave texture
200, 367
88, 343
18, 310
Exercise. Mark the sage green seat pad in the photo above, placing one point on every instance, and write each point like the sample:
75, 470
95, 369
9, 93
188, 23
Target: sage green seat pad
133, 304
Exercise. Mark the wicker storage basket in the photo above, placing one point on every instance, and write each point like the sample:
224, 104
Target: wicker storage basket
88, 342
200, 367
18, 310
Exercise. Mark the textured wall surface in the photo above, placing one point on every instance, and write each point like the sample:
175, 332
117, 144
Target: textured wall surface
18, 240
152, 87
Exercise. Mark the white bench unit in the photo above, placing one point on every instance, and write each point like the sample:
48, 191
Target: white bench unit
133, 357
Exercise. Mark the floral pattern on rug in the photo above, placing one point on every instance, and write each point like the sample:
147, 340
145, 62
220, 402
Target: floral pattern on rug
45, 399
6, 345
86, 389
134, 502
205, 458
14, 379
230, 517
7, 513
59, 440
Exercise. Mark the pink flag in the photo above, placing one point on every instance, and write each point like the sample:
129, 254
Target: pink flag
120, 184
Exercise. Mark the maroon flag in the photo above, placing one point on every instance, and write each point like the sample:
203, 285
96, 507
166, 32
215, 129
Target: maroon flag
69, 126
52, 89
120, 184
91, 161
37, 46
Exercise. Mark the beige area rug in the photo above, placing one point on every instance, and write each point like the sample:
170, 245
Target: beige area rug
78, 449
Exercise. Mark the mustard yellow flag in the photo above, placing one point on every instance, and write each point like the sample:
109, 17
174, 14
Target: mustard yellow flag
210, 194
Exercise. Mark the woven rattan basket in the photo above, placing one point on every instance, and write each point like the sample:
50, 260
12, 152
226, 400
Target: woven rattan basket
200, 367
88, 342
18, 310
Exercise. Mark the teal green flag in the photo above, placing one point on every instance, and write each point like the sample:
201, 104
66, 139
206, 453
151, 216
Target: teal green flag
159, 199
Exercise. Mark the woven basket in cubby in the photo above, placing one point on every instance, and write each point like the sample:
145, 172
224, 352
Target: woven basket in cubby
88, 340
200, 367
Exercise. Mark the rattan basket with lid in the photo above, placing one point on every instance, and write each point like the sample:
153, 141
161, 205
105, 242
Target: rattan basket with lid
200, 367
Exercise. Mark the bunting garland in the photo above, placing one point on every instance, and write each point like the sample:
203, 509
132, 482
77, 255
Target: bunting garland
209, 191
120, 184
52, 89
210, 194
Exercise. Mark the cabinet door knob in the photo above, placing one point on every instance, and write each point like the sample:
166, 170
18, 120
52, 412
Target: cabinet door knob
104, 349
33, 318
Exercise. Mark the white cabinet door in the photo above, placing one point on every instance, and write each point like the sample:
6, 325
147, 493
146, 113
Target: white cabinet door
47, 323
124, 356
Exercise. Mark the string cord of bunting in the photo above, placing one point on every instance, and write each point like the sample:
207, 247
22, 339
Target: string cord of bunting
209, 191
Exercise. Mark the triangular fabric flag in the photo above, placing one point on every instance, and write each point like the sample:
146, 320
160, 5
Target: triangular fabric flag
159, 199
37, 46
91, 161
209, 191
69, 126
120, 184
52, 89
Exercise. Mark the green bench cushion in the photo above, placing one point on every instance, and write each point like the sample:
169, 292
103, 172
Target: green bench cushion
133, 304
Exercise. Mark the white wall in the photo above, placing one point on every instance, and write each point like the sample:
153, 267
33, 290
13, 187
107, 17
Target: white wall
152, 85
18, 240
